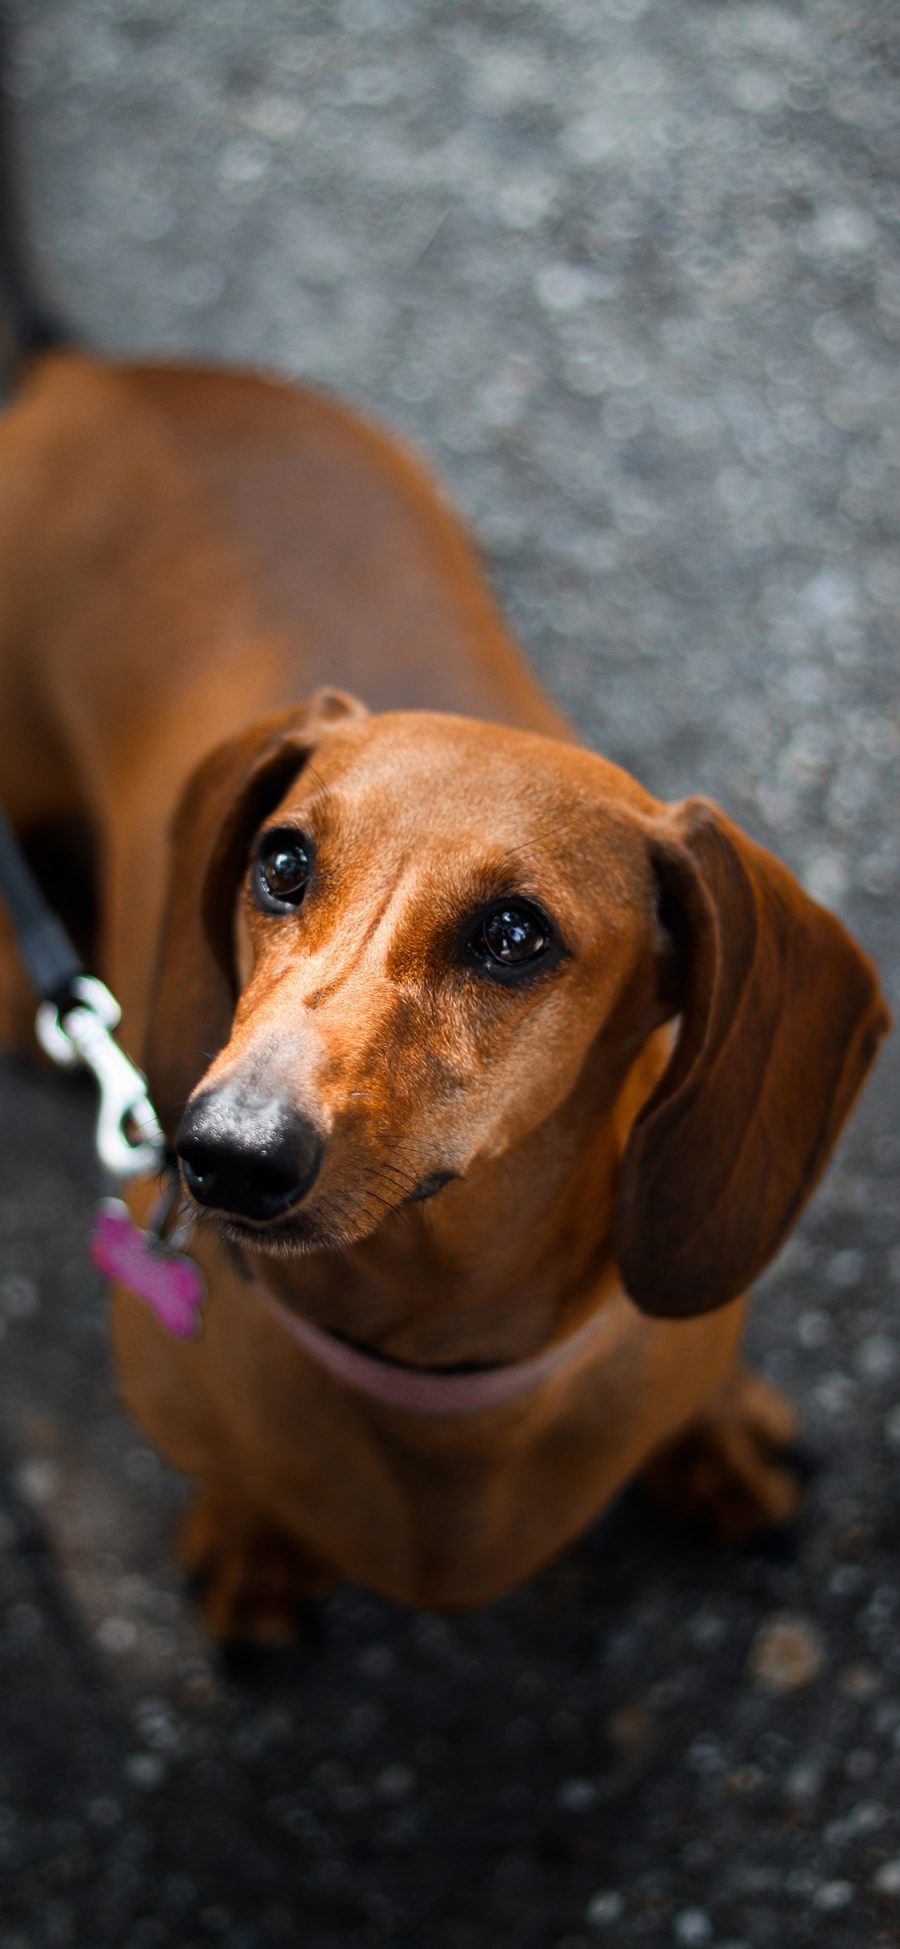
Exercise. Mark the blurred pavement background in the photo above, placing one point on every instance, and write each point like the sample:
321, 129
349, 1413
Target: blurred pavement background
627, 273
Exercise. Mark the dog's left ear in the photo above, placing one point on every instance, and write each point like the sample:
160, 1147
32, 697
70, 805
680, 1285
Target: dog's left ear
781, 1015
224, 802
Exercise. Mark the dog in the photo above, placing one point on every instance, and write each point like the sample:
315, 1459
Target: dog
494, 1081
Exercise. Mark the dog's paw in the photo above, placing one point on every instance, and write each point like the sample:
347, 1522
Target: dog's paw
256, 1585
729, 1468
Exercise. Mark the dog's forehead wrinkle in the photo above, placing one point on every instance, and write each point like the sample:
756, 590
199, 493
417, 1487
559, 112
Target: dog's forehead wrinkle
461, 765
502, 811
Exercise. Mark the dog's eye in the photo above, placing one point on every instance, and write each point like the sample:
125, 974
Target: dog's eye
281, 871
509, 937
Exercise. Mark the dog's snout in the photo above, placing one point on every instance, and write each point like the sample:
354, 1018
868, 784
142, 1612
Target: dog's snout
247, 1157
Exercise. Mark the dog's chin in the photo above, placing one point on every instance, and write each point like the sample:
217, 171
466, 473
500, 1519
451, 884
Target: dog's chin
300, 1232
291, 1238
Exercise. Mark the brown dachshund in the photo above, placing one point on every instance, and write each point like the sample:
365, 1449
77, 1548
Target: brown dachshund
494, 1080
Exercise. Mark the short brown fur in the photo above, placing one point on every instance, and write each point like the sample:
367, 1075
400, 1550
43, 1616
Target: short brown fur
183, 556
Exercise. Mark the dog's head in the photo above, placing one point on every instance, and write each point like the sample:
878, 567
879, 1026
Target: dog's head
395, 946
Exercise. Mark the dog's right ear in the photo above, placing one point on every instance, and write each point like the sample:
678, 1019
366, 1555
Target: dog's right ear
781, 1016
224, 802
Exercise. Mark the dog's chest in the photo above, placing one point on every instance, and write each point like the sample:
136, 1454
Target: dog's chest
448, 1510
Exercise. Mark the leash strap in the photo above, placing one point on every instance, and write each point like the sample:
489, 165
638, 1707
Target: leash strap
43, 943
76, 1018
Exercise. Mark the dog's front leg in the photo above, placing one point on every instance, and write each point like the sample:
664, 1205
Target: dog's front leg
730, 1466
256, 1583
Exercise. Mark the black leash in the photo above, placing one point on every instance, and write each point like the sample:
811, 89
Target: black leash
76, 1018
43, 943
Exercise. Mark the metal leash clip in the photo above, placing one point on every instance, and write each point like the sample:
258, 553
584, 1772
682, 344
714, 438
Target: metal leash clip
129, 1140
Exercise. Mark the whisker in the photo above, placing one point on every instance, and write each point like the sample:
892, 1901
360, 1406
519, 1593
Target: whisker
322, 783
389, 1173
552, 828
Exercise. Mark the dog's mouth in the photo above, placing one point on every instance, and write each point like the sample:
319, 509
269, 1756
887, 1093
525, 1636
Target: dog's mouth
335, 1224
430, 1186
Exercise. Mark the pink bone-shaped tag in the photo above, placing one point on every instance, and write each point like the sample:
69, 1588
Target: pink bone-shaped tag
170, 1283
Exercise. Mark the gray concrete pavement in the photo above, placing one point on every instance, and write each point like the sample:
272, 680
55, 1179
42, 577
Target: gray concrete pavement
627, 273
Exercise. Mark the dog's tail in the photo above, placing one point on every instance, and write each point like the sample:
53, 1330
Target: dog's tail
28, 326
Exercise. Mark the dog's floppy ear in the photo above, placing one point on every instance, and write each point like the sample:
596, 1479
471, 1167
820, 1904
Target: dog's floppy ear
223, 803
781, 1015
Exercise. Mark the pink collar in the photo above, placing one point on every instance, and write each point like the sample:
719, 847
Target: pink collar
426, 1391
173, 1285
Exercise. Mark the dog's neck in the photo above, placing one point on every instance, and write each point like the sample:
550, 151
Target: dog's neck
497, 1264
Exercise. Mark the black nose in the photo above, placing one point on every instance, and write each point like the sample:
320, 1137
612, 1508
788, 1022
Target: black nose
247, 1155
